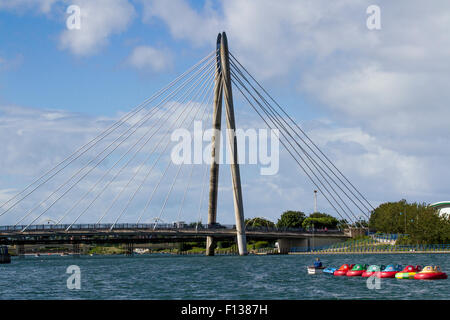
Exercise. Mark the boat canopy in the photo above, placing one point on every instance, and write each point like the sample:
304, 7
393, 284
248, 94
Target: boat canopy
375, 268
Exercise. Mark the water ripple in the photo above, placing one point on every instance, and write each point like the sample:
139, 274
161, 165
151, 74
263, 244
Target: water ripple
219, 277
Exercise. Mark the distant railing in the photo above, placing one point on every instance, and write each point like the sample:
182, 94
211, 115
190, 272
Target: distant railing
370, 247
301, 230
386, 236
118, 226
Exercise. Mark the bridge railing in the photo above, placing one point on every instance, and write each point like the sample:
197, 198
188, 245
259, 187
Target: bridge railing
156, 226
119, 226
275, 229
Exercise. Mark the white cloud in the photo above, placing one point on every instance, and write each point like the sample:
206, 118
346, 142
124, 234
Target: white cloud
265, 33
99, 20
389, 171
383, 79
384, 100
183, 21
145, 58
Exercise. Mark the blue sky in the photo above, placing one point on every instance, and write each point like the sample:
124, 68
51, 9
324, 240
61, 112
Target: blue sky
374, 100
99, 84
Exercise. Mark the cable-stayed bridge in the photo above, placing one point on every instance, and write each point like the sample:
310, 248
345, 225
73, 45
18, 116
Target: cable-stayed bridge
119, 186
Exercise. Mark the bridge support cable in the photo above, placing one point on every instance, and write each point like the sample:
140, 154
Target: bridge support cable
202, 196
178, 172
204, 87
338, 174
316, 184
313, 161
154, 190
86, 147
144, 120
183, 199
289, 149
198, 85
133, 129
166, 198
183, 98
169, 112
168, 165
279, 125
281, 121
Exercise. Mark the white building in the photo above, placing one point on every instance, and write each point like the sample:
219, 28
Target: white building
443, 207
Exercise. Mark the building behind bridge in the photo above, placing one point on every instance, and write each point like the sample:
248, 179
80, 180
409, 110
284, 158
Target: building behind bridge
443, 208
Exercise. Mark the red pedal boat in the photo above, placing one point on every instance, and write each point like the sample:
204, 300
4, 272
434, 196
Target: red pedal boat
430, 273
357, 270
372, 270
409, 272
390, 271
342, 271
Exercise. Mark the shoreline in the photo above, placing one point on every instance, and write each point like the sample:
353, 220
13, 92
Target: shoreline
355, 252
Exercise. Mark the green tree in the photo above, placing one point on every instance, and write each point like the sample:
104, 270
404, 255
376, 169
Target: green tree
320, 222
259, 222
342, 224
291, 219
319, 215
420, 221
197, 225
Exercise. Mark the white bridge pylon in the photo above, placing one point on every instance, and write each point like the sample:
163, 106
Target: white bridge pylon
223, 89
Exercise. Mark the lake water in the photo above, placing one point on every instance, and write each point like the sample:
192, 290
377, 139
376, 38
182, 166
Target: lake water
219, 277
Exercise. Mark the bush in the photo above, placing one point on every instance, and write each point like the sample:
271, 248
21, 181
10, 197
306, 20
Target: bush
291, 219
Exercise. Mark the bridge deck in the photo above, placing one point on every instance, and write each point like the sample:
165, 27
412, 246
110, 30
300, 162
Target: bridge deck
142, 233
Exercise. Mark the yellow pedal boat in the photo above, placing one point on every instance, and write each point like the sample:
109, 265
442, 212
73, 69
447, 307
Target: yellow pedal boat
409, 272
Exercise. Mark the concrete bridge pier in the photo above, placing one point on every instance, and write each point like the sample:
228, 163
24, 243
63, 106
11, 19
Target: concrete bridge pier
284, 245
20, 250
129, 248
76, 249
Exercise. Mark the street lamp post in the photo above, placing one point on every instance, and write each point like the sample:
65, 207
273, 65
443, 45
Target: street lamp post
315, 201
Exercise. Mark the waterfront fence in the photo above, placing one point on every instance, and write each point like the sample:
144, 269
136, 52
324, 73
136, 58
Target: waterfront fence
370, 247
